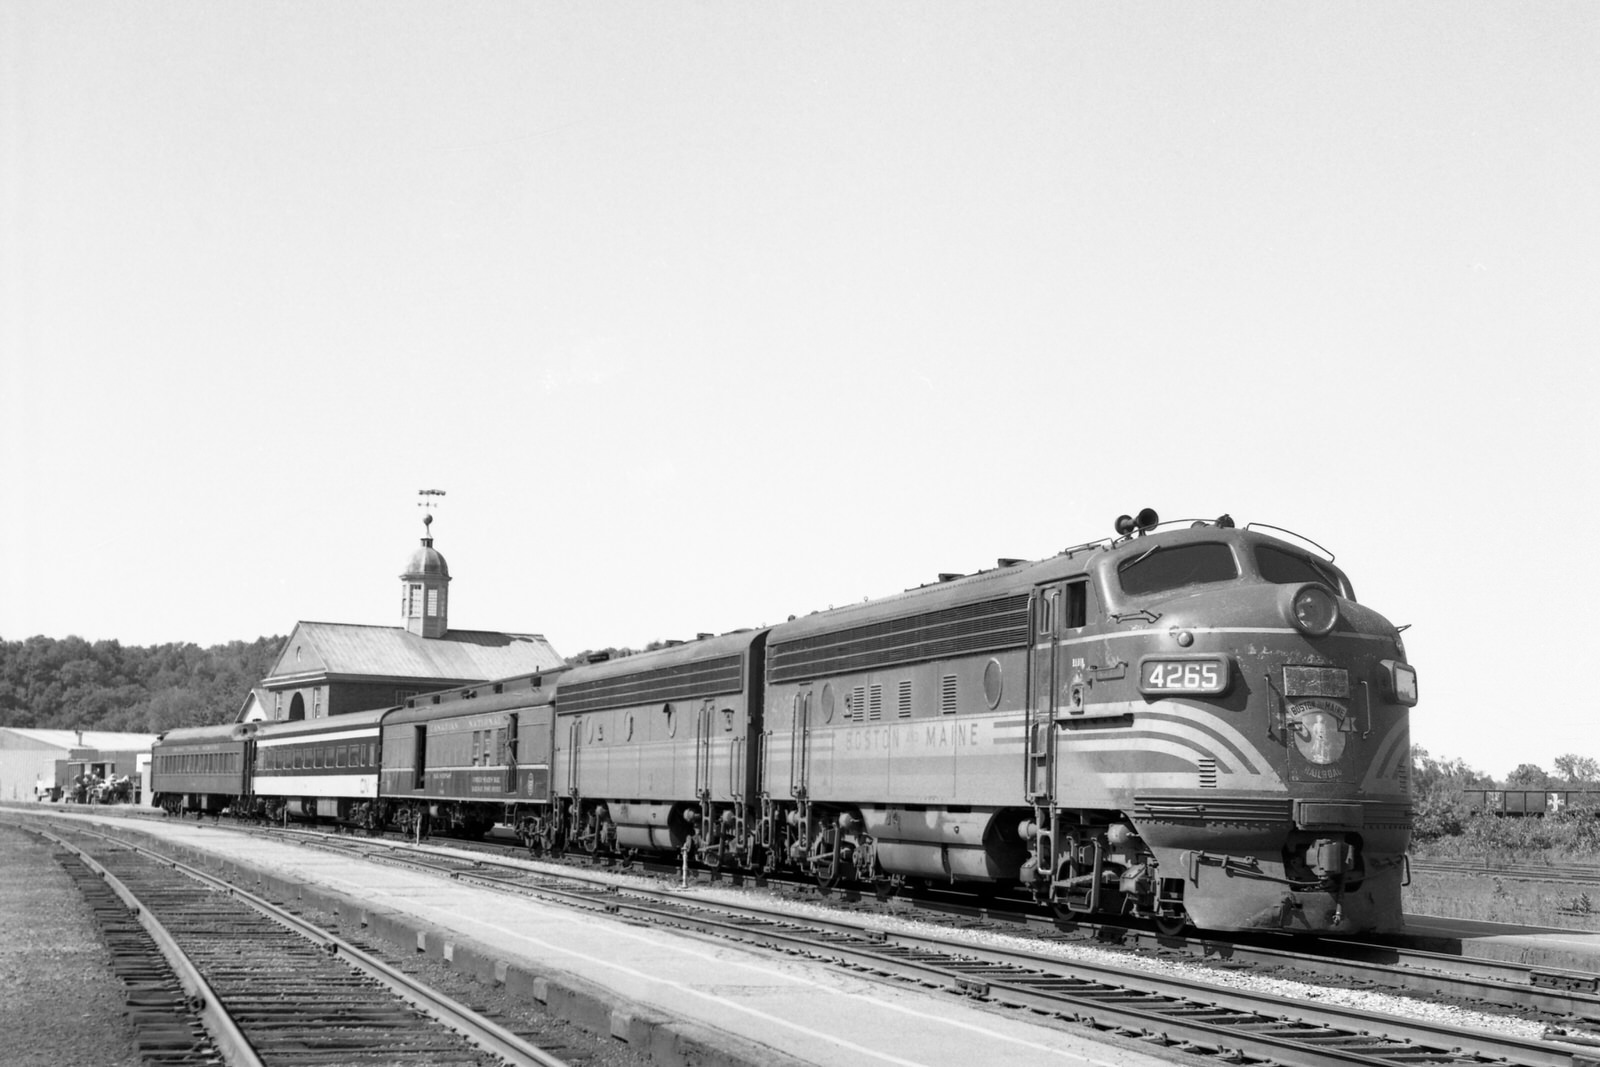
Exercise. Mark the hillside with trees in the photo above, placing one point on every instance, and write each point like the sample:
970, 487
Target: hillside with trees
72, 684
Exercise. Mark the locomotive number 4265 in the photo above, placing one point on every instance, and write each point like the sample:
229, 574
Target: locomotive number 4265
1207, 675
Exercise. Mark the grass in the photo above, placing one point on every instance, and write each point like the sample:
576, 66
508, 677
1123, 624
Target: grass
1491, 897
1558, 842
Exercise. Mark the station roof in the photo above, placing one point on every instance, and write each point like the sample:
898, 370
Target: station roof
353, 650
103, 740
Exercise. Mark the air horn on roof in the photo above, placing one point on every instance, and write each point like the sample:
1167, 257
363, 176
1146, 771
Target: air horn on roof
1143, 523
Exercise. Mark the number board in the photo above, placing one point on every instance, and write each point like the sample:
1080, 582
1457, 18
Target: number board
1196, 675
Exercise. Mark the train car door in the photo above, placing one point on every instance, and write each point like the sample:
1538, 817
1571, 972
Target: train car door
1040, 738
800, 745
574, 738
419, 771
704, 727
509, 732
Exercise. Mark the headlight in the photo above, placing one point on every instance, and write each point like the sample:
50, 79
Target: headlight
1400, 679
1314, 611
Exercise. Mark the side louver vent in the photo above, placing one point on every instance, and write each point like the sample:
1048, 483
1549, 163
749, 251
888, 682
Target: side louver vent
1208, 773
905, 699
947, 695
875, 704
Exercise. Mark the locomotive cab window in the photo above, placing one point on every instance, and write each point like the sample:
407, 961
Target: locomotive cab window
1075, 606
1291, 568
1163, 568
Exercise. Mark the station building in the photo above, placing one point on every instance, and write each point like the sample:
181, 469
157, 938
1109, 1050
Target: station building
331, 668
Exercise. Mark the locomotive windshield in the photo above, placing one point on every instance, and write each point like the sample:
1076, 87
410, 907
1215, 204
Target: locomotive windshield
1290, 568
1172, 567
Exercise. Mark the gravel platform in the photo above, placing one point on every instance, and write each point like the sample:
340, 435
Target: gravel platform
59, 1002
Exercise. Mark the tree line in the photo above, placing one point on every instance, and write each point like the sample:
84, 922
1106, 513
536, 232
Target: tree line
1438, 787
73, 684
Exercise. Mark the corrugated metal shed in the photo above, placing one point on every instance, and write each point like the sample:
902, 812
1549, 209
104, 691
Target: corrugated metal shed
100, 739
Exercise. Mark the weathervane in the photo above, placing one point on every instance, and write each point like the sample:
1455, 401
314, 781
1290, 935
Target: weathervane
428, 504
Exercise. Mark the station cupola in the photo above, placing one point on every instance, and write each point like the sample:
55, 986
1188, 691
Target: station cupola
424, 588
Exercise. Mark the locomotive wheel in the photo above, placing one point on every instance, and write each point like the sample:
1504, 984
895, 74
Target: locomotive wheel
825, 880
1172, 925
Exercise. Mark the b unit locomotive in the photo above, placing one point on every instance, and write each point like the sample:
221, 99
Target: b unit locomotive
1197, 726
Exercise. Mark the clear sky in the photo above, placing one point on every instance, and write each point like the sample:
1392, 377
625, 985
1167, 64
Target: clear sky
706, 314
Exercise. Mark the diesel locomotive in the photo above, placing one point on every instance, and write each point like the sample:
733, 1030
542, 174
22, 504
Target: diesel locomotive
1192, 723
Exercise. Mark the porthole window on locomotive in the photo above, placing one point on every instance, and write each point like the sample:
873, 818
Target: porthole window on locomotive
1160, 569
1291, 568
827, 702
992, 683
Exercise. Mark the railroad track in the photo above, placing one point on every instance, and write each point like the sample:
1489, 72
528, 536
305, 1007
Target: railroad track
1570, 999
216, 974
1194, 1017
1575, 874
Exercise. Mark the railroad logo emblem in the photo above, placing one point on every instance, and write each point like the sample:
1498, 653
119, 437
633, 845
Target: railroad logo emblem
1318, 728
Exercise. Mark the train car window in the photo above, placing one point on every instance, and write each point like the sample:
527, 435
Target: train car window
1162, 568
339, 756
1290, 568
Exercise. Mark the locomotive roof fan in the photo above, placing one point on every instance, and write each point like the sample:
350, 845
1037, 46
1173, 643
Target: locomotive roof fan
1143, 523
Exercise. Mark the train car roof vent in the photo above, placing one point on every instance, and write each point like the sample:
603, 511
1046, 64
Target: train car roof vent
703, 635
1007, 561
950, 576
599, 657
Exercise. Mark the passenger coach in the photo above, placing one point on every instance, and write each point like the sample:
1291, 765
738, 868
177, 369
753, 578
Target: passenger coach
201, 769
320, 768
